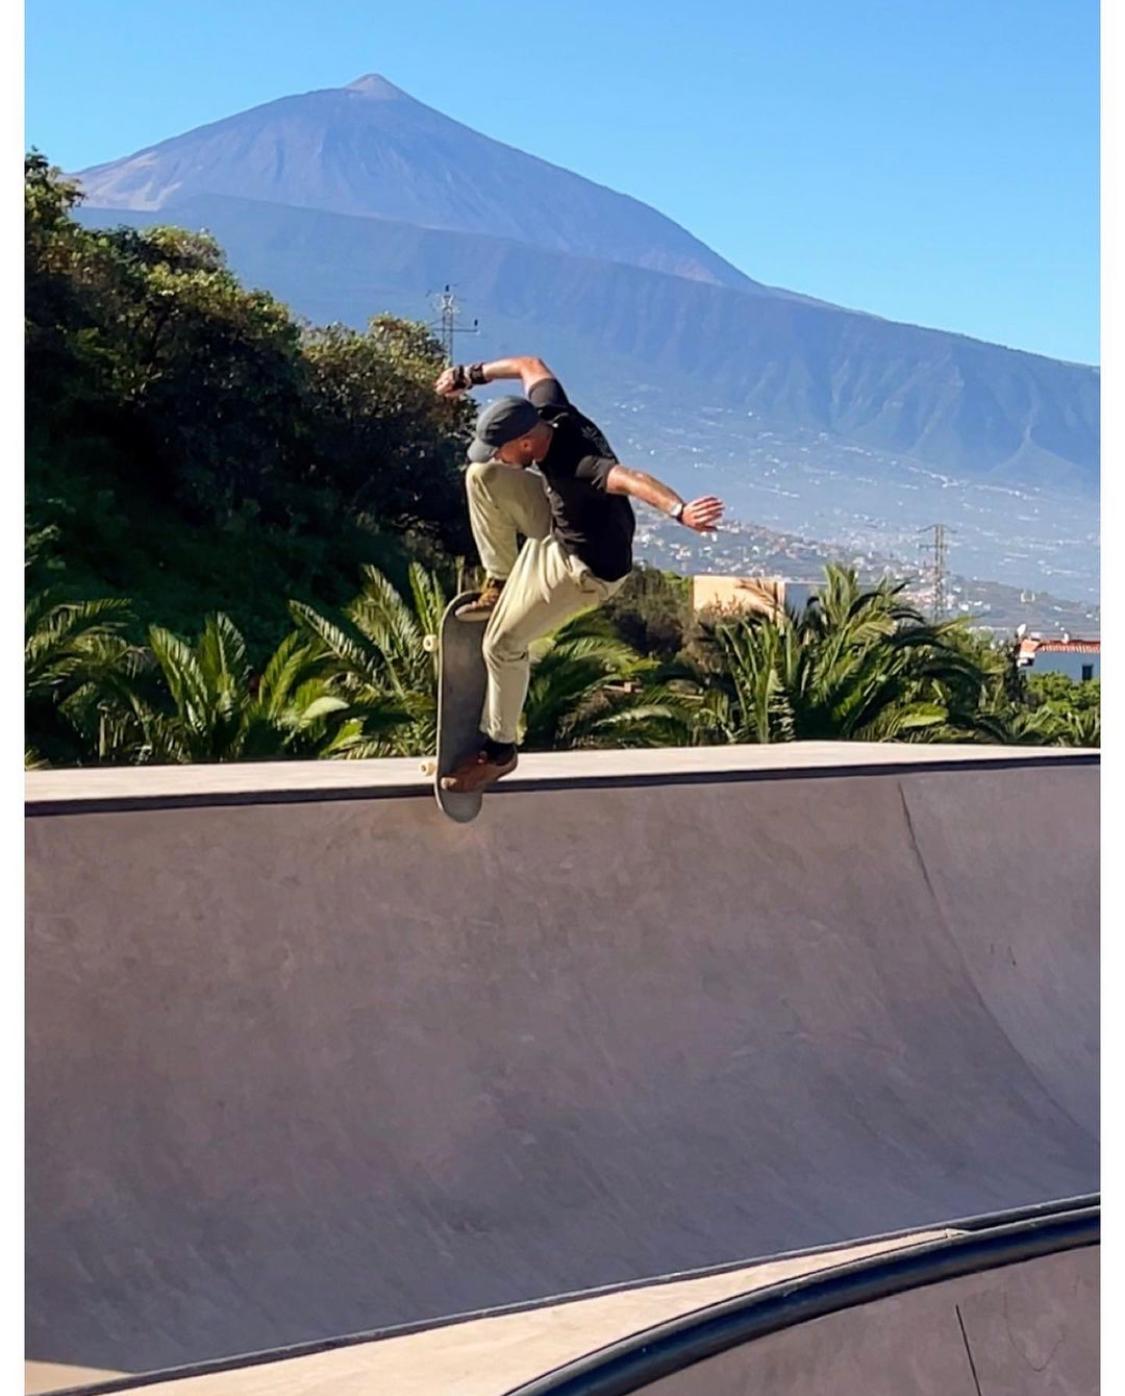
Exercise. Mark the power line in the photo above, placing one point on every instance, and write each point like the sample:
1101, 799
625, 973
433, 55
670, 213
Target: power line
449, 308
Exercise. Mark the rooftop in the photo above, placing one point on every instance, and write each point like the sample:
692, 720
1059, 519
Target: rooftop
1032, 646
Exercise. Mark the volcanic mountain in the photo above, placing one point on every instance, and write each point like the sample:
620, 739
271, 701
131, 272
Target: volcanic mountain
349, 201
370, 150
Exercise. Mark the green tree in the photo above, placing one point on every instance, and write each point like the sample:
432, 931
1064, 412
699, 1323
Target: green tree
652, 612
376, 429
1064, 692
188, 431
855, 665
75, 655
1016, 705
220, 711
374, 652
589, 688
1063, 710
145, 337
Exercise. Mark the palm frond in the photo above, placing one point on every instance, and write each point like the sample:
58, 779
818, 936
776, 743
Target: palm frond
340, 640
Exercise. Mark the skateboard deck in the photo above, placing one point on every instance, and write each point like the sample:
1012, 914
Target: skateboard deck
462, 681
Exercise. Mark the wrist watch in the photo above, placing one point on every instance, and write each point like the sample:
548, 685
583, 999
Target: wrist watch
678, 512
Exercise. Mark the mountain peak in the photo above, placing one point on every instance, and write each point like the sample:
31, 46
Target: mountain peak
371, 150
375, 86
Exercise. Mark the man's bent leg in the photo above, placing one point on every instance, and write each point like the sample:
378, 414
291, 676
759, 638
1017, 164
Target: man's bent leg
545, 588
504, 502
541, 593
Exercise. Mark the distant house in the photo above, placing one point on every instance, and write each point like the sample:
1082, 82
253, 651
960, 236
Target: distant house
1077, 659
741, 595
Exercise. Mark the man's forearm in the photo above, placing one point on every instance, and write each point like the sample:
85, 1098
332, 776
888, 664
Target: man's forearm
526, 367
638, 484
459, 378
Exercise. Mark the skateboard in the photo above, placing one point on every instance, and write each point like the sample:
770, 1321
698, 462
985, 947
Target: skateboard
462, 681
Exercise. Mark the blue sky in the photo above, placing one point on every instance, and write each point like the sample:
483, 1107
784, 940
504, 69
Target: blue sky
934, 161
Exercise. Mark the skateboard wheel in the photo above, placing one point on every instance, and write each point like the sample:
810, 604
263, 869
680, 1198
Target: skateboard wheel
429, 643
429, 768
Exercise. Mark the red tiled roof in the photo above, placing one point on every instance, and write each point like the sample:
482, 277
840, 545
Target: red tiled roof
1030, 648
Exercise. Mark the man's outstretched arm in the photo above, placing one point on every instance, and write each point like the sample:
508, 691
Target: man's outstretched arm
528, 368
701, 514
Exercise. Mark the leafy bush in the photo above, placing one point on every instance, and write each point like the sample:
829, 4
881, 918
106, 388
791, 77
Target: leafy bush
200, 449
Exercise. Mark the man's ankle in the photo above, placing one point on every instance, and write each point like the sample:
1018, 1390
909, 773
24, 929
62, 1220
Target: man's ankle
499, 752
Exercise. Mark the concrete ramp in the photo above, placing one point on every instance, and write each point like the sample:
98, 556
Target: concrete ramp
1012, 1311
304, 1058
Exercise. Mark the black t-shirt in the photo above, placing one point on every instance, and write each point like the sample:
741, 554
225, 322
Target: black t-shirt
594, 525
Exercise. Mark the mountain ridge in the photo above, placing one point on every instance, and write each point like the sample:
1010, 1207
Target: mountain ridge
799, 365
829, 306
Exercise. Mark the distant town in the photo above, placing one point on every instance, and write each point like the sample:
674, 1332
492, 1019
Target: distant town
745, 549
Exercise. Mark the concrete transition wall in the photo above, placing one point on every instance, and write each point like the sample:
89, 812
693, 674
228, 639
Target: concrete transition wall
300, 1069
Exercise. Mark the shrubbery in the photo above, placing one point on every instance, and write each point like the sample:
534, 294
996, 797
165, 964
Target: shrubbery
200, 449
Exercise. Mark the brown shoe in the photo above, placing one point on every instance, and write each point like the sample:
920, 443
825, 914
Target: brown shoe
483, 607
478, 771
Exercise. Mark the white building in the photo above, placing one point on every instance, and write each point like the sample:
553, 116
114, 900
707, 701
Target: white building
1077, 659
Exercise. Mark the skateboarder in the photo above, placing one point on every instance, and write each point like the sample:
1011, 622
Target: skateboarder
543, 471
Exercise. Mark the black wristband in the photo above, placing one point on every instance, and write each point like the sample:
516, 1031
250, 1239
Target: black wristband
475, 375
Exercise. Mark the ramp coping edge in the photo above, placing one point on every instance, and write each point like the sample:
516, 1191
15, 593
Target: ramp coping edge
269, 782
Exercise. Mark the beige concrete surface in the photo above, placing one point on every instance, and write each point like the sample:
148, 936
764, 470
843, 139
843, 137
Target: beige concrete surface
297, 1070
402, 774
488, 1356
58, 1376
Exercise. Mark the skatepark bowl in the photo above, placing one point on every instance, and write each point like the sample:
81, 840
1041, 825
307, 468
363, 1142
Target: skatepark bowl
744, 1069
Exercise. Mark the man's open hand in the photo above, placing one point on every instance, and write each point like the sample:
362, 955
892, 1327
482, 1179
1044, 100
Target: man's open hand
703, 514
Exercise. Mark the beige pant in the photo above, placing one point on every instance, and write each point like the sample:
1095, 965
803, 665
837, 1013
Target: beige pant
545, 585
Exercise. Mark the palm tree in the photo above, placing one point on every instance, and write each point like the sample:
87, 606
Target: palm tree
1079, 727
855, 665
590, 689
1005, 707
1052, 724
219, 711
374, 655
295, 700
63, 638
746, 701
74, 657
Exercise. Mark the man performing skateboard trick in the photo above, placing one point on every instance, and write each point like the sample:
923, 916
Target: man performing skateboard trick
542, 471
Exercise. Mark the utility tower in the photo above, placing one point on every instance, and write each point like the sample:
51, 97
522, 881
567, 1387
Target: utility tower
938, 550
449, 309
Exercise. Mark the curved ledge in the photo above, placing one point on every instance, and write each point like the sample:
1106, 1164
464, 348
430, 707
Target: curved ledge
292, 782
646, 1357
963, 1226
